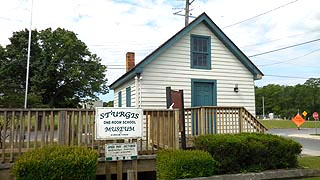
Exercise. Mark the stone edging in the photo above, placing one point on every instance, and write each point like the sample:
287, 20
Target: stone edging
270, 174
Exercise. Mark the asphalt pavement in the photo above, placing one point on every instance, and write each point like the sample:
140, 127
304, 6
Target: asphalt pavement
306, 136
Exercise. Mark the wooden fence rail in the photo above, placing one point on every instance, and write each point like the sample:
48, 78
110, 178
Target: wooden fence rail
25, 129
219, 120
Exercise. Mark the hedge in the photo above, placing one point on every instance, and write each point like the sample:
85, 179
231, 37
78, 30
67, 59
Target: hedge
180, 164
56, 162
249, 151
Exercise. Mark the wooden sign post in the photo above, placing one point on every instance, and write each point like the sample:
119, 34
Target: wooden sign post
175, 99
119, 124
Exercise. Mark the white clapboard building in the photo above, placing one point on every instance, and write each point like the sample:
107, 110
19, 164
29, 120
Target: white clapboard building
200, 60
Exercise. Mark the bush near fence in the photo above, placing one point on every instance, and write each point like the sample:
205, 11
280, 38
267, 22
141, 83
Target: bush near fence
180, 164
56, 162
250, 151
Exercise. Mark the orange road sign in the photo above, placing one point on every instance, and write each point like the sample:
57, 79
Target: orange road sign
298, 120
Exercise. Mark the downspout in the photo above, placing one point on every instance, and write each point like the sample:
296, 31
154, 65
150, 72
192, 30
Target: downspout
137, 80
140, 92
136, 83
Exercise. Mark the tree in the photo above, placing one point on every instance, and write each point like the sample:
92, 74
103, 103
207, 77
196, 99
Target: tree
108, 104
1, 53
63, 72
313, 85
13, 69
287, 101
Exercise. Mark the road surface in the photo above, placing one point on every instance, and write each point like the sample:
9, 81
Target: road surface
306, 136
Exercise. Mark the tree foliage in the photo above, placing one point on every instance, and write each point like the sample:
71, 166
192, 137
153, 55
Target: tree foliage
287, 101
63, 72
108, 104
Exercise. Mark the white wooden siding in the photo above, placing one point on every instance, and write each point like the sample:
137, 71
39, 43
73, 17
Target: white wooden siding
172, 68
122, 88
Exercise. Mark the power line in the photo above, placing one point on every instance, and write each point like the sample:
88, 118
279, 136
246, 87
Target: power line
260, 14
291, 59
272, 40
11, 19
280, 76
187, 12
287, 47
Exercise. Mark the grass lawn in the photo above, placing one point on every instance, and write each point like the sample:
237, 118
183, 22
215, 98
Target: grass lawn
287, 124
312, 162
314, 178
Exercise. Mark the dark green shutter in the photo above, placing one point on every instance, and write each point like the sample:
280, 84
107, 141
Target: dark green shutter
128, 96
119, 99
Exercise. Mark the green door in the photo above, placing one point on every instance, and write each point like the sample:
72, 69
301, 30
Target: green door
204, 93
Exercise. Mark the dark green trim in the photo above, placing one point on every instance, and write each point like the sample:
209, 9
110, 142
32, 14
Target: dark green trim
203, 18
214, 96
119, 99
233, 48
129, 75
128, 96
208, 38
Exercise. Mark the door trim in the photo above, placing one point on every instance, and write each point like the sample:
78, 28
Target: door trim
211, 81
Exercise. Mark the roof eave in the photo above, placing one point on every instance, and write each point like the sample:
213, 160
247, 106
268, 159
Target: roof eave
127, 76
257, 74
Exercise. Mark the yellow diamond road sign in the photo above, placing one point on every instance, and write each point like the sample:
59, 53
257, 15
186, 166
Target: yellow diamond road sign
304, 113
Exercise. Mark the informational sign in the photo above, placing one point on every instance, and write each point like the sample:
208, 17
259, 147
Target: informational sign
118, 123
298, 120
315, 116
121, 151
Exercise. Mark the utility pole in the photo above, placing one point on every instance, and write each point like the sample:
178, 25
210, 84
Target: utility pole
187, 12
186, 15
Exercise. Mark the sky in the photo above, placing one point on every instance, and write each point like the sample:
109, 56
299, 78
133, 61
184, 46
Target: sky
110, 28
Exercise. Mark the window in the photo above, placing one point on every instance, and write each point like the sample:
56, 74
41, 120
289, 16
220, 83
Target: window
119, 99
200, 52
128, 96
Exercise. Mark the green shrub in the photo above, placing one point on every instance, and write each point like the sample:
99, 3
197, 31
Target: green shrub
180, 164
250, 151
56, 162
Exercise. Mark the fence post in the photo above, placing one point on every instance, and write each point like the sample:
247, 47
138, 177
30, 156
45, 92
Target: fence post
119, 170
240, 120
201, 121
176, 128
62, 122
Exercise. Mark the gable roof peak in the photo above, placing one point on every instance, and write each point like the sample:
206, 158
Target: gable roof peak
203, 18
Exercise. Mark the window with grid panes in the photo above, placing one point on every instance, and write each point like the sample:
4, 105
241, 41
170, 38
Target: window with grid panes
200, 52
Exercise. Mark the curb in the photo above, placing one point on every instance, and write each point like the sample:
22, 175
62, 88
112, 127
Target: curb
306, 136
270, 174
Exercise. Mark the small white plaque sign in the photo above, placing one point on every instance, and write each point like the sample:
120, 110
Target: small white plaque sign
121, 151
